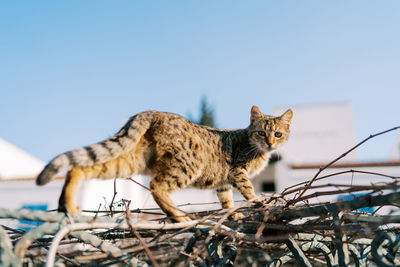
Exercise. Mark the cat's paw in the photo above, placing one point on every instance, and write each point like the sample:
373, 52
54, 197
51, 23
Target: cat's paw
236, 216
180, 219
74, 210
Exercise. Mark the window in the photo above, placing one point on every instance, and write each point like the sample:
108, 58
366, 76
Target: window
268, 187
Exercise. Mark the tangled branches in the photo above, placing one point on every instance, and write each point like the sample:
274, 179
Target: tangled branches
267, 235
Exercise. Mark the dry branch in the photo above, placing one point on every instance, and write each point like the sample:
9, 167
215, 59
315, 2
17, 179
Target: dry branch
340, 157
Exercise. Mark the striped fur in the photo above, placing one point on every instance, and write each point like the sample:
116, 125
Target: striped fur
176, 153
101, 152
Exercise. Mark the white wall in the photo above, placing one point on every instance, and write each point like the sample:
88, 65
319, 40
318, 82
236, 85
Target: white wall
320, 133
396, 150
15, 194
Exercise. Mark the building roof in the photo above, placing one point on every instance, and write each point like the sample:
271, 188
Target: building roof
16, 163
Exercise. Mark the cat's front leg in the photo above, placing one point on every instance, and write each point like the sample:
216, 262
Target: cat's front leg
226, 198
241, 182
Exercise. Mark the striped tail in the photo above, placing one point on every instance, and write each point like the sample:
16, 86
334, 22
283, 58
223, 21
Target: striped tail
101, 152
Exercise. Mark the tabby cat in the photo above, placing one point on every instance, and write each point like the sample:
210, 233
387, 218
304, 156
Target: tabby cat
176, 153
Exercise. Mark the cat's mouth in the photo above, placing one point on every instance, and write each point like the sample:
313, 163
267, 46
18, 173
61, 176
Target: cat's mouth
263, 148
269, 148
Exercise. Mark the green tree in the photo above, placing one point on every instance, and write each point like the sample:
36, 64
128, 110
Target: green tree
207, 114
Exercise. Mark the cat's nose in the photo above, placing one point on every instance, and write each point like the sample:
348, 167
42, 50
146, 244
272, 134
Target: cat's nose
269, 144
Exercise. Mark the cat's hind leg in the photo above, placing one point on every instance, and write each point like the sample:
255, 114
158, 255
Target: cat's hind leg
161, 188
115, 168
72, 183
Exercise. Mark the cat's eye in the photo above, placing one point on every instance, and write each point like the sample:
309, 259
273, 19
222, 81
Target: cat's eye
261, 133
278, 134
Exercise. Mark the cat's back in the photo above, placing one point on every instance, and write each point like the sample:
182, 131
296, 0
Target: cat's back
180, 145
173, 133
173, 125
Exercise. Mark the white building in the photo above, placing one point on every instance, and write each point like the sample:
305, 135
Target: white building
17, 172
17, 188
17, 164
396, 150
319, 134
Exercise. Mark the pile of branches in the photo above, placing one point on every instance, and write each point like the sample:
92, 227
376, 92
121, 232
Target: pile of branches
263, 237
286, 229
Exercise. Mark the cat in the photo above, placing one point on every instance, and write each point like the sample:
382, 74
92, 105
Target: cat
176, 153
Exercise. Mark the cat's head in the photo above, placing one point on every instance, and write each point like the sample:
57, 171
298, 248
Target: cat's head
267, 133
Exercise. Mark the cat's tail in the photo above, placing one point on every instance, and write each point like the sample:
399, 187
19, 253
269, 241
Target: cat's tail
101, 152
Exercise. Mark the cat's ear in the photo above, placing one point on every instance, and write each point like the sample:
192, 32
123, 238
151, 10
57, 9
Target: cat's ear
287, 116
256, 113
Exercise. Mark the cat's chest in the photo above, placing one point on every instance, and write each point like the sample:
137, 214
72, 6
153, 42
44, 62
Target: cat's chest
256, 165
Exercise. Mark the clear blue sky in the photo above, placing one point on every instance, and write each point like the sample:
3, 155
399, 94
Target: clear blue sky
72, 71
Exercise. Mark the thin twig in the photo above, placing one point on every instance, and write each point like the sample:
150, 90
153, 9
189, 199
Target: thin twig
342, 156
113, 198
133, 230
289, 190
350, 189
